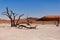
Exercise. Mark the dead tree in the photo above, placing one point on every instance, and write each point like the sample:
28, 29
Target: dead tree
12, 17
57, 21
21, 26
28, 22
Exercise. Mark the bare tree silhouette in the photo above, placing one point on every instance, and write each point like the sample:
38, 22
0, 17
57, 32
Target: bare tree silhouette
57, 21
28, 22
12, 17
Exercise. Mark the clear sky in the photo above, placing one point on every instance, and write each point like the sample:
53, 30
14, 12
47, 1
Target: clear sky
34, 8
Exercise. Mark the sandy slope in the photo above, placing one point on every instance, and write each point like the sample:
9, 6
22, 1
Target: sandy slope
44, 32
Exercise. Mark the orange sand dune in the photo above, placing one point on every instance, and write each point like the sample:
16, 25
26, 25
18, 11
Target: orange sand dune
34, 20
52, 16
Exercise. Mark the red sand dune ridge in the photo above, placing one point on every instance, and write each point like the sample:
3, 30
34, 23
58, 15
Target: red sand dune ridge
4, 21
23, 20
52, 16
34, 20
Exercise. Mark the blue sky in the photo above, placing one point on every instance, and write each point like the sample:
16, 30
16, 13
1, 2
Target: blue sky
34, 8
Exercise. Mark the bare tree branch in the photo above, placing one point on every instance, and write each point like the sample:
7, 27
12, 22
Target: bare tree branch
11, 12
19, 18
3, 13
7, 12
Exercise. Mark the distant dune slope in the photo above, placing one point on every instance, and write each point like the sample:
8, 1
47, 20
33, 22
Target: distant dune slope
36, 20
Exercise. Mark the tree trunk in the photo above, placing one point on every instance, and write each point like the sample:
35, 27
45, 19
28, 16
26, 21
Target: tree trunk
57, 22
13, 23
